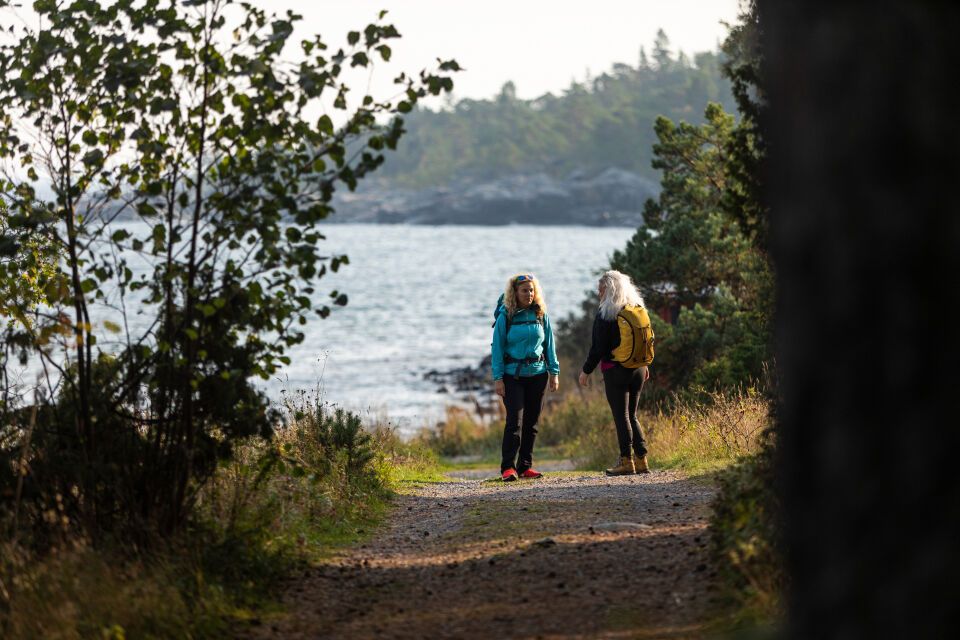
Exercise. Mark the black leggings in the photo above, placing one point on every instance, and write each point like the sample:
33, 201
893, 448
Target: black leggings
523, 398
623, 393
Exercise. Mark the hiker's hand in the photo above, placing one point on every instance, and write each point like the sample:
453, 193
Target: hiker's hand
584, 379
646, 373
498, 388
554, 382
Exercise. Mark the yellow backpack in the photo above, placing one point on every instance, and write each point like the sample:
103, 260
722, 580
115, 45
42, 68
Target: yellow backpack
636, 338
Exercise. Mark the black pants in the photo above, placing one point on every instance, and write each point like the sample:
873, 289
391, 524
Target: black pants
523, 398
623, 393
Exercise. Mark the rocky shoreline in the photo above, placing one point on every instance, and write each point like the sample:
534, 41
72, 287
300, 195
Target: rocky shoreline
468, 380
472, 387
613, 197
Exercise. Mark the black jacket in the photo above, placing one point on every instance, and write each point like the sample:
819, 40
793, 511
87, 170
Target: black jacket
606, 338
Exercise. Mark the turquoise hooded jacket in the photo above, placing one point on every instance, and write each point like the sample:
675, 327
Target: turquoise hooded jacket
528, 340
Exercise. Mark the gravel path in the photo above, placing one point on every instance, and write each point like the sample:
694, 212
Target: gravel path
571, 555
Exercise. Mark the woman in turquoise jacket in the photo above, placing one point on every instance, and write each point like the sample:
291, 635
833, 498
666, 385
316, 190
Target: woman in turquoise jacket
525, 363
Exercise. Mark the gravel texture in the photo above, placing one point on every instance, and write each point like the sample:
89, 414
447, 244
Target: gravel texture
570, 555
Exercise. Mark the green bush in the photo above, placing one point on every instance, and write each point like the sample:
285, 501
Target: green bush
303, 489
745, 537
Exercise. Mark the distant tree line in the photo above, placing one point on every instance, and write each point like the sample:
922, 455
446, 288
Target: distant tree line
597, 123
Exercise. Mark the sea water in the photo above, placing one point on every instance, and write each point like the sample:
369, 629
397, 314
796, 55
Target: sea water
421, 298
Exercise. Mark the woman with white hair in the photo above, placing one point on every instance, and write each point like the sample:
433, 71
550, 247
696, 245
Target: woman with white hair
622, 377
524, 362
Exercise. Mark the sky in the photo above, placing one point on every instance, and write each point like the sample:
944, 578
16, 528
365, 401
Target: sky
540, 45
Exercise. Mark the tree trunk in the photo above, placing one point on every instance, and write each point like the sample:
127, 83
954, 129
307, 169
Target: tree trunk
864, 131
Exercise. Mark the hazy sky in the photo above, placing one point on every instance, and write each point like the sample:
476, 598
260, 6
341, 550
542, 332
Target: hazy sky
541, 45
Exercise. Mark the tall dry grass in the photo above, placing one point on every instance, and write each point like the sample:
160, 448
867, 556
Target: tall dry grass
695, 435
699, 431
460, 433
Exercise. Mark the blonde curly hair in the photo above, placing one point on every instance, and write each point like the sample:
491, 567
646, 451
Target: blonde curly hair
510, 295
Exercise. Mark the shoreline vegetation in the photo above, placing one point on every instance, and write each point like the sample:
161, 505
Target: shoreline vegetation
325, 481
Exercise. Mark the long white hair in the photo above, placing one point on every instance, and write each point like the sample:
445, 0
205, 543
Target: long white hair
618, 292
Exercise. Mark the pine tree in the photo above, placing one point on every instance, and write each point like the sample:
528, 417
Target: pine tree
693, 257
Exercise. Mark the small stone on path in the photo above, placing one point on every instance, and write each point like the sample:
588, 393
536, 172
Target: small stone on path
545, 542
619, 526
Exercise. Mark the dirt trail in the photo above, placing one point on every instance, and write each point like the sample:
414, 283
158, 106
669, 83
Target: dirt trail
571, 555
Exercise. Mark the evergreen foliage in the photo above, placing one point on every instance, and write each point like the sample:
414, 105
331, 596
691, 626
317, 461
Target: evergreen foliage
692, 255
746, 149
596, 123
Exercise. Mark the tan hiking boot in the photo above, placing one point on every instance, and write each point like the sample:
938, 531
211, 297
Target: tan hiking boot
624, 467
640, 464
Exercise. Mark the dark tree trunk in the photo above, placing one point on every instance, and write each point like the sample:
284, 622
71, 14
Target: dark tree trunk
864, 167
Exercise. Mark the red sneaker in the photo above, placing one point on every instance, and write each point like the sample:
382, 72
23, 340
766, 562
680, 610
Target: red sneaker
509, 475
531, 473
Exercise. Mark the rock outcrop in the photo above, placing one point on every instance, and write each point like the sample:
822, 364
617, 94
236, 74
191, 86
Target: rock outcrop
613, 197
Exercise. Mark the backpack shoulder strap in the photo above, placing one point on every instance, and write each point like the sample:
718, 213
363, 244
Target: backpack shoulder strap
498, 309
540, 321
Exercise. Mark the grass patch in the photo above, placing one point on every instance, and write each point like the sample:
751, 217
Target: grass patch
402, 465
693, 467
80, 592
501, 519
491, 459
745, 544
402, 477
321, 483
473, 463
633, 622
